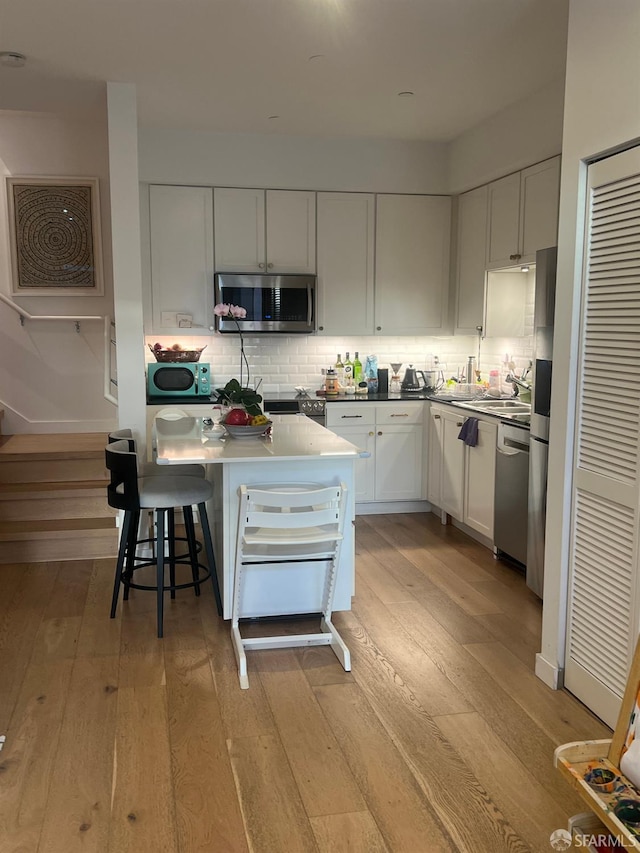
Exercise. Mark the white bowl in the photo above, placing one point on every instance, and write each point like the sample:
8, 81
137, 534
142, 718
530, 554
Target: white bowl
237, 431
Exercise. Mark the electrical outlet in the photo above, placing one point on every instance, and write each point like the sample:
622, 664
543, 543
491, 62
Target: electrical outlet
169, 319
185, 321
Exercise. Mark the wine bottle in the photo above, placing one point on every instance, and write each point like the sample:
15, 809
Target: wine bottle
339, 369
348, 371
357, 370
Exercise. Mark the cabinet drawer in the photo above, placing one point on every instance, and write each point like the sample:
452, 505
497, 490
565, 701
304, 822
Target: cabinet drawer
400, 413
341, 414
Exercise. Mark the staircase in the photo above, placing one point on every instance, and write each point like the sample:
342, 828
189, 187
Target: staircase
53, 498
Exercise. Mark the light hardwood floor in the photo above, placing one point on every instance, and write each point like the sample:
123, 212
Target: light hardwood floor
440, 739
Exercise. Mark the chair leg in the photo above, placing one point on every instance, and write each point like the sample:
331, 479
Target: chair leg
124, 538
187, 511
211, 560
160, 568
131, 549
171, 534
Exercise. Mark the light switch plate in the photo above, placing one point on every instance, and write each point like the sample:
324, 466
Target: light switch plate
185, 321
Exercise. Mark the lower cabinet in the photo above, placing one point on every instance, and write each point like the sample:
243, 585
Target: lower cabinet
462, 478
394, 435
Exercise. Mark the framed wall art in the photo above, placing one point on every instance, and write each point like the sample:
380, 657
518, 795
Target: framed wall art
54, 227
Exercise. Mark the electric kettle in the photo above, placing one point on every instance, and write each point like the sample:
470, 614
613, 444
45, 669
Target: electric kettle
420, 380
411, 381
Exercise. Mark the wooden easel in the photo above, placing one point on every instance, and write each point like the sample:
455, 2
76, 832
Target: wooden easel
576, 760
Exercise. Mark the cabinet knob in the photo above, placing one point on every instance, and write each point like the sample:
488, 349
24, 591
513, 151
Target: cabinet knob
270, 266
459, 423
321, 328
436, 417
371, 432
514, 257
378, 328
380, 432
261, 266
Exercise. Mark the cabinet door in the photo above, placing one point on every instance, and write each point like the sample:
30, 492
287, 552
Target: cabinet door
471, 255
504, 217
291, 231
239, 230
506, 303
181, 236
452, 466
480, 480
434, 472
539, 200
412, 264
398, 463
345, 263
363, 437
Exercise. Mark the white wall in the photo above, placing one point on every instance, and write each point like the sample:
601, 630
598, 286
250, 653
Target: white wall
286, 162
601, 115
51, 377
525, 133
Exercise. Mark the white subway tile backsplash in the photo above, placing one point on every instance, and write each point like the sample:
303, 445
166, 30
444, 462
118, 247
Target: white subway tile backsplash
286, 361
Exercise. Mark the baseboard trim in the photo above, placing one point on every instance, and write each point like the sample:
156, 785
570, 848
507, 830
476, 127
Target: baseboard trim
385, 507
551, 675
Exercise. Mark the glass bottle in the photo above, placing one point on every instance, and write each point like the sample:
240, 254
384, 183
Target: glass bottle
339, 369
331, 383
348, 371
357, 370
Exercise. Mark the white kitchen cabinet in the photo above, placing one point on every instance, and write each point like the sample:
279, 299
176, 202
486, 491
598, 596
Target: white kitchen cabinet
265, 231
479, 484
412, 264
394, 435
523, 214
471, 260
345, 245
462, 478
181, 248
506, 303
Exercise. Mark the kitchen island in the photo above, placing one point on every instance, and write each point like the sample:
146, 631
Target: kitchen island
299, 451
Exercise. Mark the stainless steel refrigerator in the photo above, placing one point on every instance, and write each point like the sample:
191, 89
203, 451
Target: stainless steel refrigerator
545, 298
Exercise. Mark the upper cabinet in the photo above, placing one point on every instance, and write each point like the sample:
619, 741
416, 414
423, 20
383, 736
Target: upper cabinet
346, 235
412, 264
181, 243
471, 255
265, 231
523, 214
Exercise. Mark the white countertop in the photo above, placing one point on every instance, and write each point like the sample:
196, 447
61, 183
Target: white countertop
293, 437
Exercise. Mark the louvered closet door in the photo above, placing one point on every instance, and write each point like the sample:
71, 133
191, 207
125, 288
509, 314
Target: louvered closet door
604, 572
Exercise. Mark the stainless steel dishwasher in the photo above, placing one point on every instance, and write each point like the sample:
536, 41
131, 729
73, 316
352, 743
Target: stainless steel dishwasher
511, 510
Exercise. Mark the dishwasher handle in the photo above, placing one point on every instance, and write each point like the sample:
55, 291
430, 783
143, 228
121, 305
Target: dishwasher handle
515, 447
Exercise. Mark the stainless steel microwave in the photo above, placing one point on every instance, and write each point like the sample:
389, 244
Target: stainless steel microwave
274, 303
184, 379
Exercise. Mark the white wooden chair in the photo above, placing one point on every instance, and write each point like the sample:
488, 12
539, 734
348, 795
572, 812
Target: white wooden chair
284, 530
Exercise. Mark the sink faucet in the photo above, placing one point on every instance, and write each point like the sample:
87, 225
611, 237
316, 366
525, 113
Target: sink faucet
517, 384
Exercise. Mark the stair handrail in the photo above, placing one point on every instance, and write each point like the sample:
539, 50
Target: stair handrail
108, 340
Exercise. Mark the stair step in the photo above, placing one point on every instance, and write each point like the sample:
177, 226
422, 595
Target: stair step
89, 445
83, 544
53, 498
78, 503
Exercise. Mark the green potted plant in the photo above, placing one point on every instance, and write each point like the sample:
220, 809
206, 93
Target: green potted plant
233, 394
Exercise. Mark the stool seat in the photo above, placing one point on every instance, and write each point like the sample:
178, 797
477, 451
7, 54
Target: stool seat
169, 492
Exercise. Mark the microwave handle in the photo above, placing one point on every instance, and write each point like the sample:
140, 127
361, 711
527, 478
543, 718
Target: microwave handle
309, 305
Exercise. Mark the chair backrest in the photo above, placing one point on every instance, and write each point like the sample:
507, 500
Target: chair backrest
122, 464
172, 414
291, 522
123, 434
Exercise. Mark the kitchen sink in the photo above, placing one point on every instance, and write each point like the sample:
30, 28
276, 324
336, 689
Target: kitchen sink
487, 403
512, 409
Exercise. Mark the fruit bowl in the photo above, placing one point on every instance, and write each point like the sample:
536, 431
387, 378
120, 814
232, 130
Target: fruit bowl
177, 356
237, 431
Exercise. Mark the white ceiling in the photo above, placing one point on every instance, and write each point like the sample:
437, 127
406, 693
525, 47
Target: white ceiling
227, 65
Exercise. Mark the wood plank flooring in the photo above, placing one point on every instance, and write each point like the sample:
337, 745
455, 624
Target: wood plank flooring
440, 739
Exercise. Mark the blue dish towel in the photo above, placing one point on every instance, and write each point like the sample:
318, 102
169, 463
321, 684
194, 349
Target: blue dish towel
469, 432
